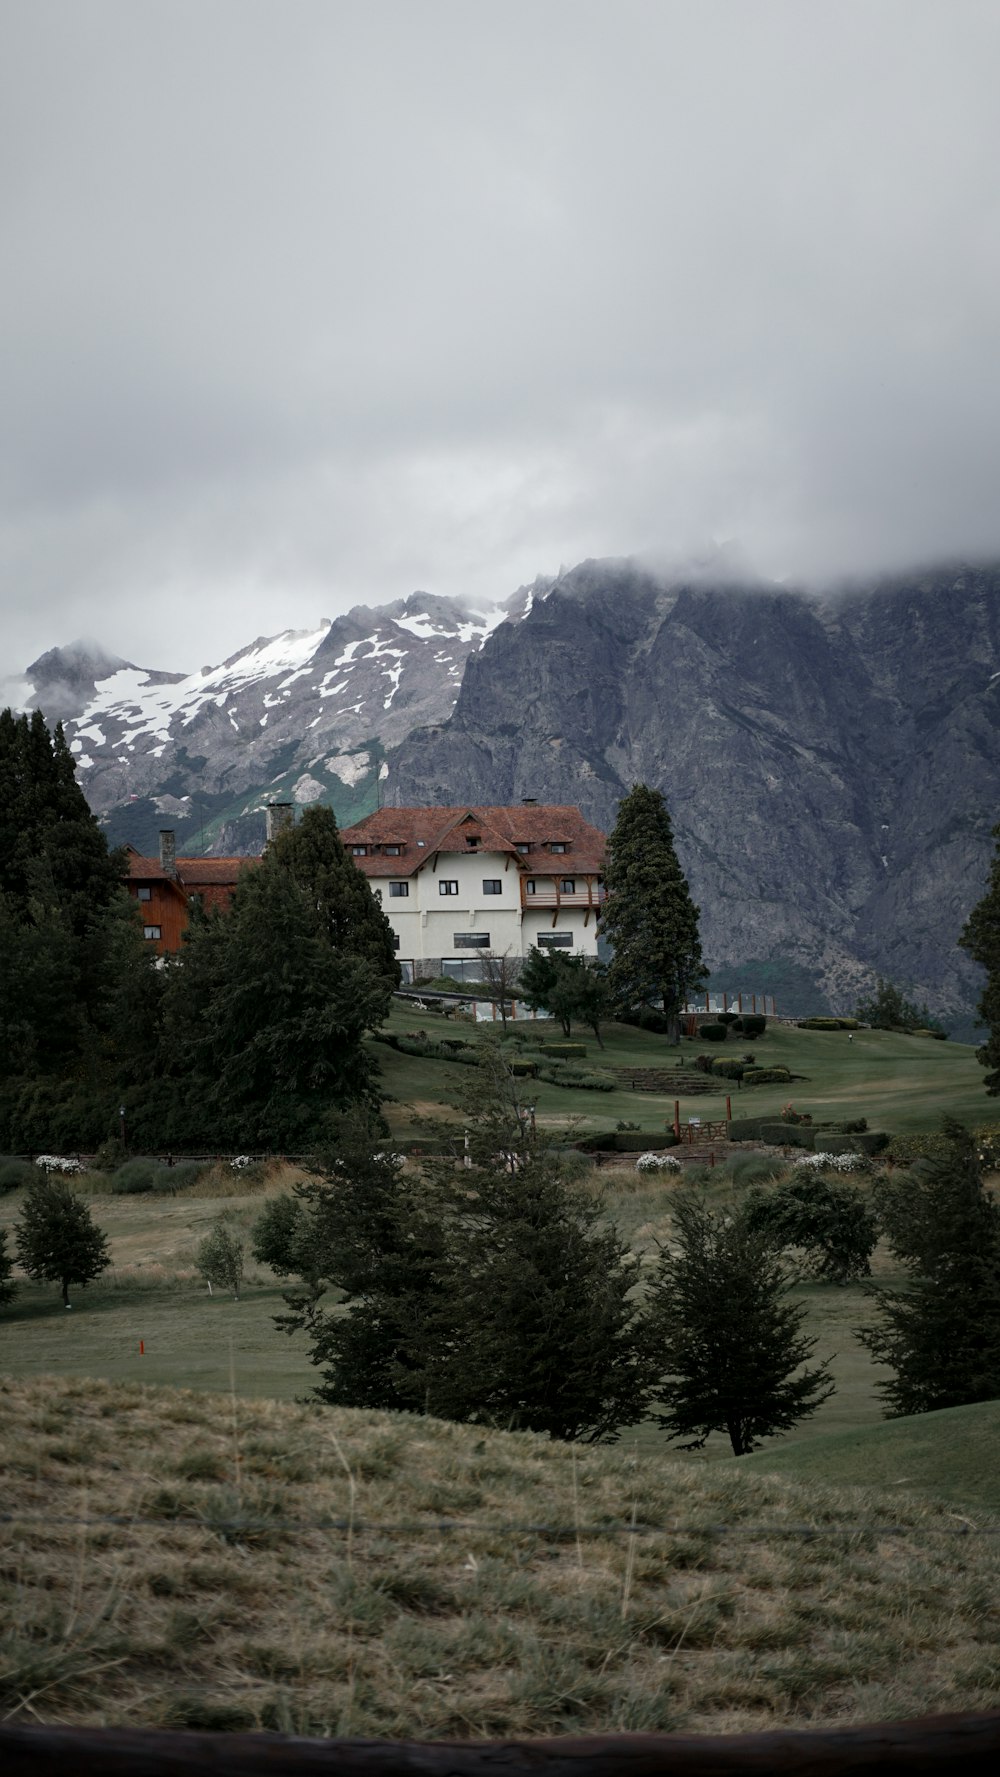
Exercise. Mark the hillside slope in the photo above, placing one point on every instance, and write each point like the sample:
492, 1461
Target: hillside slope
289, 1567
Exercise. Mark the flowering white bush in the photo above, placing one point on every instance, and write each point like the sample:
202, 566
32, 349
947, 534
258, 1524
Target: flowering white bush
59, 1163
657, 1163
239, 1161
831, 1162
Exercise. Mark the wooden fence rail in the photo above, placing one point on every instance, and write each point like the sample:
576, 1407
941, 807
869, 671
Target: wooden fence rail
935, 1744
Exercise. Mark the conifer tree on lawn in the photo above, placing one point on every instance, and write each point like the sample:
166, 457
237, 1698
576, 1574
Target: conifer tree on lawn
981, 938
7, 1288
648, 916
728, 1348
57, 1238
940, 1335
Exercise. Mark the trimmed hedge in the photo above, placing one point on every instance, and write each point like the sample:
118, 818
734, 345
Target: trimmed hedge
728, 1067
751, 1024
625, 1141
712, 1033
868, 1141
828, 1024
564, 1051
766, 1076
743, 1129
787, 1135
522, 1069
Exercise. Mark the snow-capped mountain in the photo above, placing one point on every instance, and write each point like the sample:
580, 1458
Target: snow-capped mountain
304, 716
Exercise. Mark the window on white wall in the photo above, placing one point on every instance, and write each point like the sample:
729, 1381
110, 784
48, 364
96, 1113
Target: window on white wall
567, 886
492, 885
555, 940
531, 886
398, 891
471, 940
448, 886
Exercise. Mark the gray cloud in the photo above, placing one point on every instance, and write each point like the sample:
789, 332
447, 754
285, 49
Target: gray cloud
311, 304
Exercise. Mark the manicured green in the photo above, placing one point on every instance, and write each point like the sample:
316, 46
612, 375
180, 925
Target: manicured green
950, 1455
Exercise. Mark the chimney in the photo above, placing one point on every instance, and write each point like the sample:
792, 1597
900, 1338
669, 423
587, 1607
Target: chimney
279, 816
168, 851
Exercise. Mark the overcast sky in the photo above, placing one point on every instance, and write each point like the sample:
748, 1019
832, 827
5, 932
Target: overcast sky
305, 303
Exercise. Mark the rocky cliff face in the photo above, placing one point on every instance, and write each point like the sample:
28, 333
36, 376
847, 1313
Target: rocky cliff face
832, 766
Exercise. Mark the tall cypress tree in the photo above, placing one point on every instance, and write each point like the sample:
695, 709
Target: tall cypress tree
648, 915
981, 938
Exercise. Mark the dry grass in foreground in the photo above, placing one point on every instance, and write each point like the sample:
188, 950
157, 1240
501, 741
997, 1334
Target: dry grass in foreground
207, 1606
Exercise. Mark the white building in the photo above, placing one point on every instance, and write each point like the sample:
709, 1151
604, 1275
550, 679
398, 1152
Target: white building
455, 881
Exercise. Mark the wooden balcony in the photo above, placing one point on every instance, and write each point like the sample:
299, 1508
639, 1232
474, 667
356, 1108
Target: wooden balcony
549, 896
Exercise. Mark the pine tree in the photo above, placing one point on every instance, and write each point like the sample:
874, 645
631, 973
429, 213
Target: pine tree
648, 916
347, 912
829, 1220
264, 1018
372, 1231
941, 1335
543, 1289
981, 938
57, 1238
728, 1348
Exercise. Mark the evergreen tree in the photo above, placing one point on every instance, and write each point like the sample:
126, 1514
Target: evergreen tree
372, 1232
347, 912
648, 915
728, 1348
264, 1019
829, 1220
57, 1238
889, 1009
543, 1288
941, 1335
8, 1289
981, 938
279, 1235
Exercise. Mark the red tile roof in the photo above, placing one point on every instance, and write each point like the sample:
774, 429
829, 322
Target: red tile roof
426, 831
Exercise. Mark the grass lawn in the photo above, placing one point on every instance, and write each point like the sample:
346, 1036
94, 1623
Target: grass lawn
899, 1083
218, 1600
950, 1455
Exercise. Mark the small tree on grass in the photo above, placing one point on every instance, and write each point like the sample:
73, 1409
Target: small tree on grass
277, 1234
57, 1238
220, 1257
8, 1289
831, 1222
941, 1335
567, 986
500, 970
729, 1349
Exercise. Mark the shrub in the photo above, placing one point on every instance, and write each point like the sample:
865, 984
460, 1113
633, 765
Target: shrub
628, 1141
744, 1129
712, 1033
827, 1024
856, 1126
832, 1222
756, 1169
14, 1174
728, 1068
872, 1141
564, 1051
220, 1257
576, 1077
766, 1076
648, 1018
705, 1063
653, 1162
60, 1163
751, 1024
786, 1135
824, 1160
135, 1177
728, 1017
522, 1068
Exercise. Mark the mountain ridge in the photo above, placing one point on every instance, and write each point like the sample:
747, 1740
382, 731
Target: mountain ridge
830, 761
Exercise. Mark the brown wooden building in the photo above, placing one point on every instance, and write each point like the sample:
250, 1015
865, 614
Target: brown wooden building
165, 888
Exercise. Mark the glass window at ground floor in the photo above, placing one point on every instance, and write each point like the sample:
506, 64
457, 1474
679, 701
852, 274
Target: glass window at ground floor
555, 940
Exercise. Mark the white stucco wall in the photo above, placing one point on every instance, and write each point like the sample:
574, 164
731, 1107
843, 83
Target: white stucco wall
426, 920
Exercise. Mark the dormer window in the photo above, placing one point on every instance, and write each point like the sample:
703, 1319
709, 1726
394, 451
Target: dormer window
523, 845
392, 851
359, 851
472, 839
557, 845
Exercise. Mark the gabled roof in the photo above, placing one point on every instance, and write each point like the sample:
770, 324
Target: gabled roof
426, 832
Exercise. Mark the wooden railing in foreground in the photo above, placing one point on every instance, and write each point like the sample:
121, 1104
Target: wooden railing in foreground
934, 1744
